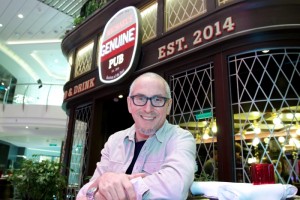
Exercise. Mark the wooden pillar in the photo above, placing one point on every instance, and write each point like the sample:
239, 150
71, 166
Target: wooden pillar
224, 120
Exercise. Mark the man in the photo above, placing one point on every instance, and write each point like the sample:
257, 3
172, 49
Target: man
150, 160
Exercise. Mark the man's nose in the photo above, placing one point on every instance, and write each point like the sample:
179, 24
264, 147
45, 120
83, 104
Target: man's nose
148, 106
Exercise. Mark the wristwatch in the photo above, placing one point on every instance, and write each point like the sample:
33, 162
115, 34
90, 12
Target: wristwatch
90, 194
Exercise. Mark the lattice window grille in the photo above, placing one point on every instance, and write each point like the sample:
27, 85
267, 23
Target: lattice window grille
264, 86
192, 94
149, 21
83, 61
181, 11
79, 146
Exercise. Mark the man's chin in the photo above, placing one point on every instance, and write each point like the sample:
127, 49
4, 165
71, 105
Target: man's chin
148, 132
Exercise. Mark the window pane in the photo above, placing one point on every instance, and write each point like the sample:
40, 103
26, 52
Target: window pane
181, 11
149, 18
266, 108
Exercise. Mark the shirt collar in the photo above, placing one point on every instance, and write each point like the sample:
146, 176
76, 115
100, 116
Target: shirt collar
160, 133
131, 133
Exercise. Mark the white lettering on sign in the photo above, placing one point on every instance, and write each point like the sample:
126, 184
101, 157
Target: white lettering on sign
120, 45
115, 61
207, 33
118, 42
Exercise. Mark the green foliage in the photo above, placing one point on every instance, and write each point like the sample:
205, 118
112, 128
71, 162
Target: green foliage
203, 177
92, 6
78, 20
39, 180
88, 9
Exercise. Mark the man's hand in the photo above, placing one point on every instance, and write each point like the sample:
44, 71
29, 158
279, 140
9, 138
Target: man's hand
116, 186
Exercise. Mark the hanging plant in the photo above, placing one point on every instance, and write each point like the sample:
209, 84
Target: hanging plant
87, 9
78, 20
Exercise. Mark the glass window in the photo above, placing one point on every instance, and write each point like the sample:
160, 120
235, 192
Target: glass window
83, 61
266, 111
79, 148
193, 109
149, 21
178, 12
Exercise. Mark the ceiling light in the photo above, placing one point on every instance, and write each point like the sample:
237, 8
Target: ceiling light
205, 136
293, 135
281, 139
257, 130
266, 51
20, 16
276, 121
26, 127
256, 127
21, 156
33, 149
294, 142
266, 140
255, 141
120, 96
1, 25
34, 41
213, 124
290, 115
214, 129
252, 160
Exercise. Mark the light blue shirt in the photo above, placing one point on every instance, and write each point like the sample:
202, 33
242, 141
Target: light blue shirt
168, 157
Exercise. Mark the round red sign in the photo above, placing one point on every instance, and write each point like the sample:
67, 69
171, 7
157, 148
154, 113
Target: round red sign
119, 45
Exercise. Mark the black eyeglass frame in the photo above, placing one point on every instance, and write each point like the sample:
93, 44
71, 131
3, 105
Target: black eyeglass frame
149, 98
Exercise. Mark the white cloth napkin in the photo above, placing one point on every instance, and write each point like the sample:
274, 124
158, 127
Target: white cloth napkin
243, 191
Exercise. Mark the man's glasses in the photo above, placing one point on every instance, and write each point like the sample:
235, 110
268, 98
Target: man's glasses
156, 101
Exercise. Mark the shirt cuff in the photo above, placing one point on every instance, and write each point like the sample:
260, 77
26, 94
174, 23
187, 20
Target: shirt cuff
140, 187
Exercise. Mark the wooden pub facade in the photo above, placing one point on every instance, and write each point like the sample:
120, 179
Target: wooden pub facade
234, 71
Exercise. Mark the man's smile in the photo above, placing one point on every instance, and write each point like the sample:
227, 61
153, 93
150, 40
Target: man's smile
147, 118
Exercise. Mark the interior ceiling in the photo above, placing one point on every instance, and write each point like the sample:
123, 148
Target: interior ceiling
32, 61
35, 58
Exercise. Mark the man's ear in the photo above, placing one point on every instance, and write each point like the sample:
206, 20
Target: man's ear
129, 104
169, 107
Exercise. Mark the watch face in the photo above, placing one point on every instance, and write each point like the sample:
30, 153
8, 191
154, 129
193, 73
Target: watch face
91, 193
